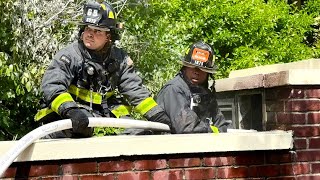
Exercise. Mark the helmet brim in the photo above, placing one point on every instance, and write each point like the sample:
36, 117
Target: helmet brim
207, 70
92, 26
99, 28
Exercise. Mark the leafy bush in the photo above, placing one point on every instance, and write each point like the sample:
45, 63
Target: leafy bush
18, 99
244, 33
31, 33
312, 8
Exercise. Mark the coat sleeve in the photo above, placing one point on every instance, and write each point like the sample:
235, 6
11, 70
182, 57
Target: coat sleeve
56, 81
177, 105
131, 87
220, 122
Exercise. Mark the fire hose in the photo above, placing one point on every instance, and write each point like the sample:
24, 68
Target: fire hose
49, 128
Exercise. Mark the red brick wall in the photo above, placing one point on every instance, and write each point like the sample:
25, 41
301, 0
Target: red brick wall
289, 108
297, 108
271, 165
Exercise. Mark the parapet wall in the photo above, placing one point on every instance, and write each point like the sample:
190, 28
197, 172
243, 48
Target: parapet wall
289, 149
186, 156
273, 165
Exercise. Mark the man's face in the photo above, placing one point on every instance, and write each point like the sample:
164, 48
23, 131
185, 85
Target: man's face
195, 75
95, 39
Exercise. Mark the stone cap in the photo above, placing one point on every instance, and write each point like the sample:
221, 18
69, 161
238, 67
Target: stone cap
128, 145
273, 68
306, 72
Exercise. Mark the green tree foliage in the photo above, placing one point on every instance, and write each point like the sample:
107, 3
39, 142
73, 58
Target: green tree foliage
31, 32
15, 80
312, 8
244, 33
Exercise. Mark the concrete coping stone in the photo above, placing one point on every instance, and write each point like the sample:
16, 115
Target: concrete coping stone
127, 145
305, 72
272, 68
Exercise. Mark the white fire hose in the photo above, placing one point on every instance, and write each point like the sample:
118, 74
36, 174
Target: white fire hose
49, 128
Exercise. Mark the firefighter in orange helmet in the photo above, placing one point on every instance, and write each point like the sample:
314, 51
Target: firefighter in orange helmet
190, 104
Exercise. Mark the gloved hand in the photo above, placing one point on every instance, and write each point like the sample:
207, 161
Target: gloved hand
161, 117
79, 119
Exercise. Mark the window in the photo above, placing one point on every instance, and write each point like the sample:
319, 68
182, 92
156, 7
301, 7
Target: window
245, 109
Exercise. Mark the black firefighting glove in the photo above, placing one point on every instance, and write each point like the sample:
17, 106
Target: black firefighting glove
79, 119
160, 117
157, 114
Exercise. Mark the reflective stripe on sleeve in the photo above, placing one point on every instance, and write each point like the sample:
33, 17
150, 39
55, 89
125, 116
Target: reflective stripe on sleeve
62, 98
85, 94
42, 113
109, 94
145, 105
214, 129
121, 110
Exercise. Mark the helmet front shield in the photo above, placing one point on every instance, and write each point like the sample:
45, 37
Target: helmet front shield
99, 15
200, 55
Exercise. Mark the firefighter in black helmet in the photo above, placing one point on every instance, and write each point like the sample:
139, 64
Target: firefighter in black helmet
84, 76
187, 99
200, 55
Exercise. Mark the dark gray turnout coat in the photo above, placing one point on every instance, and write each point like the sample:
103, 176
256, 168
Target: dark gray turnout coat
192, 109
111, 72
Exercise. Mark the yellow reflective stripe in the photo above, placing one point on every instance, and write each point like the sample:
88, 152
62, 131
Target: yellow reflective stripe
111, 15
62, 98
85, 95
109, 94
103, 6
214, 129
42, 113
146, 105
121, 110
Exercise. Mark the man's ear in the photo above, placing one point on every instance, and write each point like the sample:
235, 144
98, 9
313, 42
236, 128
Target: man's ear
108, 38
81, 36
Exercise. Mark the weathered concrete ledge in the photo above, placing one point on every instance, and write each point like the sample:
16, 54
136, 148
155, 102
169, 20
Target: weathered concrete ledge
115, 146
272, 68
296, 73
